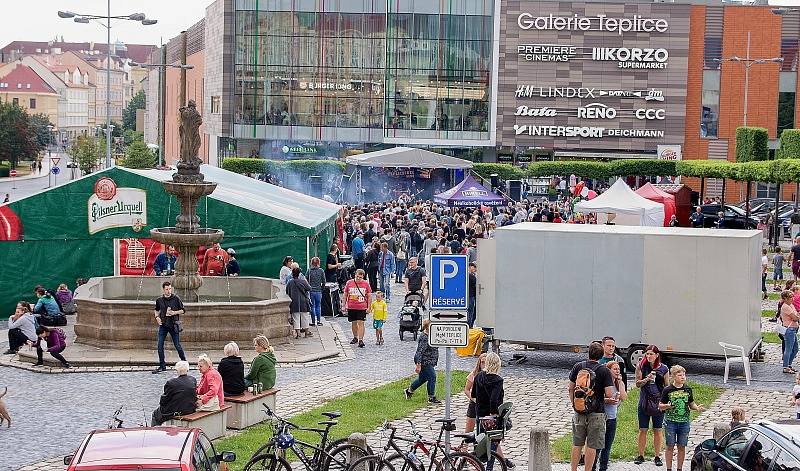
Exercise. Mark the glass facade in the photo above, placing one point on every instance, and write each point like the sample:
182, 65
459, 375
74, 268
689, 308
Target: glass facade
367, 64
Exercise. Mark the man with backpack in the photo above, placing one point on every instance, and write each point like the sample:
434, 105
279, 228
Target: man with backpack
590, 385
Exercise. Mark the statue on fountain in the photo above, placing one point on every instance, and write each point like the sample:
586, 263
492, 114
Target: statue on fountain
189, 132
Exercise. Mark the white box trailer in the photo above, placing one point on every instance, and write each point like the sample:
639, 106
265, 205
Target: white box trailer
564, 285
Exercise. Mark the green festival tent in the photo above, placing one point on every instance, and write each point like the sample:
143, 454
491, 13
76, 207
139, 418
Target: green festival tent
76, 230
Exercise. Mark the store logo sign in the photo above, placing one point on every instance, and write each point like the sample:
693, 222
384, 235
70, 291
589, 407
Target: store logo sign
122, 207
535, 112
529, 91
667, 152
474, 192
637, 24
299, 150
596, 111
650, 114
633, 57
584, 132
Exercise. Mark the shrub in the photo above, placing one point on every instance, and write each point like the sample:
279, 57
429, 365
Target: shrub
751, 144
138, 155
585, 169
503, 171
647, 168
790, 144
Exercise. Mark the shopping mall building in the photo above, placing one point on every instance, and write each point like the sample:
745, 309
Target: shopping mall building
492, 80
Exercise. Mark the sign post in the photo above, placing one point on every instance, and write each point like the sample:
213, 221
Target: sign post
13, 175
448, 288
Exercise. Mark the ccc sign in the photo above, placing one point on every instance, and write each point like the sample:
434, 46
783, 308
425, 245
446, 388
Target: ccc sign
647, 113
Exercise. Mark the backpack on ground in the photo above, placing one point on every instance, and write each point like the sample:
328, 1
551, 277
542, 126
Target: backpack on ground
583, 400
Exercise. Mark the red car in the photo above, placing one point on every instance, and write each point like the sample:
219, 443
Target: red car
148, 449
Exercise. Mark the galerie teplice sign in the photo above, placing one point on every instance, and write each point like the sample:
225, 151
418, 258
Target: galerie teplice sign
110, 206
623, 57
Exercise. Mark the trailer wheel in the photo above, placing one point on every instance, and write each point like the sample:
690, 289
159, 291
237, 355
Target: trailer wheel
634, 355
401, 334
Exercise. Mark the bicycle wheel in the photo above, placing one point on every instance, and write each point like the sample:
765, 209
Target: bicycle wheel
400, 463
371, 463
341, 457
265, 449
460, 461
267, 463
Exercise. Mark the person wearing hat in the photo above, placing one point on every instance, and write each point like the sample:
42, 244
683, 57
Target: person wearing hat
232, 268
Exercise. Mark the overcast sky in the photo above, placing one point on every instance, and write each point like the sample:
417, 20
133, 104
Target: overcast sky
37, 20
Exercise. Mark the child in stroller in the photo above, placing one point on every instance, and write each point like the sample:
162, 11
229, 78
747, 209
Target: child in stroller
410, 315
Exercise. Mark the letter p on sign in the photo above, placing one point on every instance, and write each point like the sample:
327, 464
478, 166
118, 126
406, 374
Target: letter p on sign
448, 282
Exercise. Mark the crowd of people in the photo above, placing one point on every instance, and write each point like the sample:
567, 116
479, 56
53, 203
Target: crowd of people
216, 262
183, 395
38, 326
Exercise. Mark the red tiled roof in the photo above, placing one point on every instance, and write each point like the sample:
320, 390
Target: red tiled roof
23, 79
134, 52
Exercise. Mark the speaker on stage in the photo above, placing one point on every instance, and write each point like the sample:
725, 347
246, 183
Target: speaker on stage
315, 186
514, 188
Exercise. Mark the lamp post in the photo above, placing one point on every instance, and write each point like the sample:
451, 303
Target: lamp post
748, 62
162, 95
49, 148
85, 18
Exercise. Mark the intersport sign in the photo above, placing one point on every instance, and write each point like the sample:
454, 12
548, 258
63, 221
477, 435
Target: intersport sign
620, 26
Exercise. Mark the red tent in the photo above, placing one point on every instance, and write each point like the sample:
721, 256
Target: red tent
654, 194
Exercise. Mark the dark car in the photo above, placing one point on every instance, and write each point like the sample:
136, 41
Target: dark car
733, 217
763, 445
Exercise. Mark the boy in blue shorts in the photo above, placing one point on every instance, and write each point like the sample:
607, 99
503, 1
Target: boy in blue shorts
677, 400
777, 270
378, 310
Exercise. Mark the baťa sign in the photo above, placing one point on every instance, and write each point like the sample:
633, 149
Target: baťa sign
111, 207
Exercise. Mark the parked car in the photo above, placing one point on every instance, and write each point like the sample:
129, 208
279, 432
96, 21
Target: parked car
733, 217
763, 445
147, 449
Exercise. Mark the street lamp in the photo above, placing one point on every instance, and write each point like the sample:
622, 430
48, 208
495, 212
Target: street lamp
85, 18
162, 84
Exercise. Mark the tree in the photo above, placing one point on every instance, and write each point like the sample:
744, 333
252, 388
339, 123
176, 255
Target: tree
129, 136
137, 155
17, 140
138, 102
41, 134
86, 151
752, 144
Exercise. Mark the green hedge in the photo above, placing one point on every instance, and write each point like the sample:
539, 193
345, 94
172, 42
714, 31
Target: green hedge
504, 171
649, 168
790, 144
752, 144
277, 167
585, 169
4, 169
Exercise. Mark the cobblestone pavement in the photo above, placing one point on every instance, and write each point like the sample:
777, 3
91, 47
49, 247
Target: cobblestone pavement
537, 387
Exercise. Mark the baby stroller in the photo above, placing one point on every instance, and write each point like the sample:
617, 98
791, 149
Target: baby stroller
410, 314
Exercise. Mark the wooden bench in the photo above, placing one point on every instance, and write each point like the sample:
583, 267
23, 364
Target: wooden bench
211, 422
247, 408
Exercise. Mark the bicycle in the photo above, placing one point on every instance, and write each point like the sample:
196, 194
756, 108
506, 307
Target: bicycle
333, 456
409, 461
115, 421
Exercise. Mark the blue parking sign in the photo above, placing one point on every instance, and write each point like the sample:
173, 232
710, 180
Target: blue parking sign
448, 282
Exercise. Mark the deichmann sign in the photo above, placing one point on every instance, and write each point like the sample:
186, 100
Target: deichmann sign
112, 207
636, 24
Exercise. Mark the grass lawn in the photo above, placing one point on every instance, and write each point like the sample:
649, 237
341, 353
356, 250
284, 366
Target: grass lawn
770, 337
625, 448
773, 296
362, 411
768, 313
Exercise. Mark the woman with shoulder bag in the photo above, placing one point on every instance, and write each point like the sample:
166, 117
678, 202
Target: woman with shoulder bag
401, 258
651, 378
789, 321
488, 393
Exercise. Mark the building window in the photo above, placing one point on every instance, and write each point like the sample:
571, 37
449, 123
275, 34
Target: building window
786, 101
709, 116
216, 105
16, 101
33, 104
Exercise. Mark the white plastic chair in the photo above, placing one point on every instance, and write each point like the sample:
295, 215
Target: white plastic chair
737, 355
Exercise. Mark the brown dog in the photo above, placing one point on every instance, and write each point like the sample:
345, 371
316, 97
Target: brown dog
4, 415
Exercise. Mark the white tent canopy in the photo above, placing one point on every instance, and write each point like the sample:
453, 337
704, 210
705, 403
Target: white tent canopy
407, 157
620, 199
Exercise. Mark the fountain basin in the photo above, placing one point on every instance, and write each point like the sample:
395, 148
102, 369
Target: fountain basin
191, 190
117, 312
170, 236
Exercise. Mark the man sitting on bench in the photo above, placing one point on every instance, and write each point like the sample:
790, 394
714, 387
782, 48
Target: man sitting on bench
180, 395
